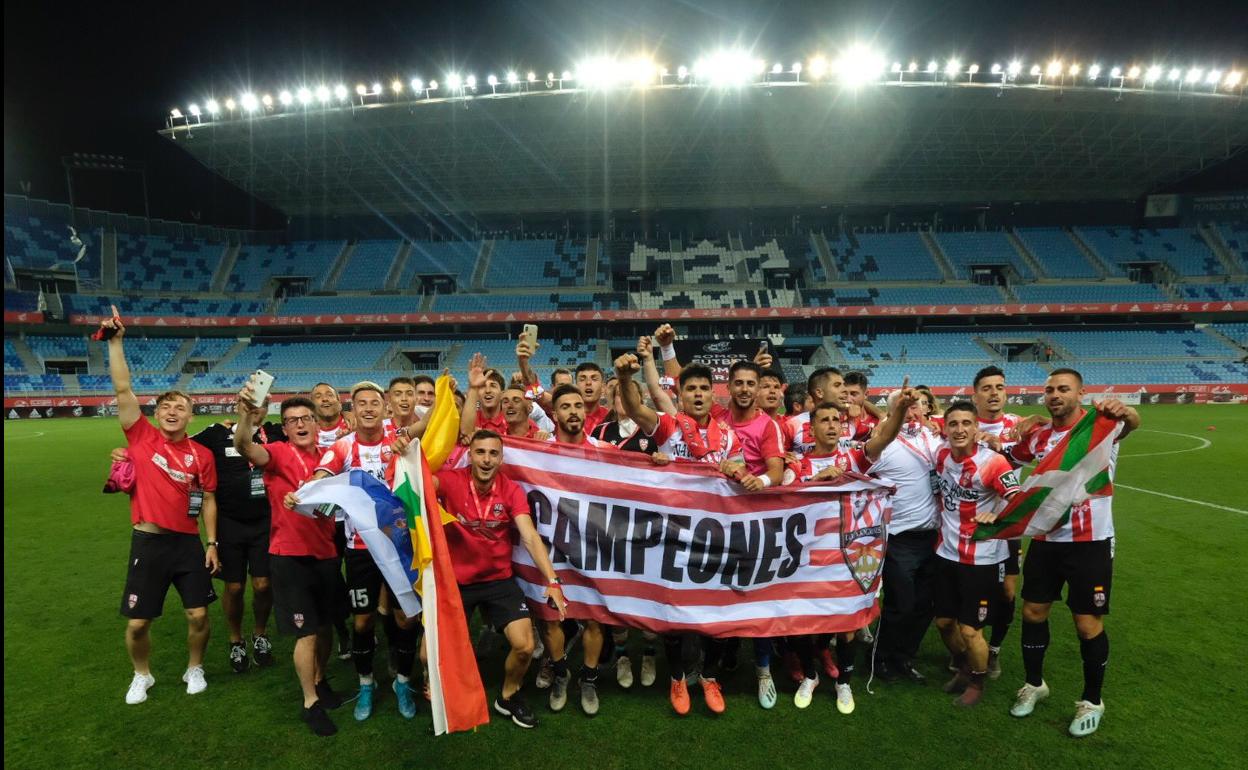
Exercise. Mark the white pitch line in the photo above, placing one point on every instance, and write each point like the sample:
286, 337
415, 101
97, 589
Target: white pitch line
1204, 444
36, 434
1183, 499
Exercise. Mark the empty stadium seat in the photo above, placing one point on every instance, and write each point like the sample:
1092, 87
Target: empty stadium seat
369, 266
967, 250
536, 262
131, 305
1057, 253
1183, 249
353, 305
1090, 292
154, 263
1204, 292
1236, 237
882, 257
454, 258
257, 264
903, 296
1141, 344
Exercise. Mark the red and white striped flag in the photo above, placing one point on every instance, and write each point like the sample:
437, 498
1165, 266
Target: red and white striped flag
682, 548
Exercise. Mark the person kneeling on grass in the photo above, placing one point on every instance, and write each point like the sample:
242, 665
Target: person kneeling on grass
307, 583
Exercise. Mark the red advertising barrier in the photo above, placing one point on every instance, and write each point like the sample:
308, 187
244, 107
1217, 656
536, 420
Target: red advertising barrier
690, 314
24, 317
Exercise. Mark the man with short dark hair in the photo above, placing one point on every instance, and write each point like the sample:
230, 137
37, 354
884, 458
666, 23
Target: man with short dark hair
1078, 555
487, 507
483, 405
307, 581
862, 414
332, 422
174, 486
590, 381
825, 384
426, 392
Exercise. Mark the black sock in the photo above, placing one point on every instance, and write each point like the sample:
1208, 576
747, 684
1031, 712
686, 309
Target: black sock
674, 649
648, 650
1095, 652
344, 636
1001, 624
846, 651
363, 646
804, 648
589, 674
1035, 644
561, 667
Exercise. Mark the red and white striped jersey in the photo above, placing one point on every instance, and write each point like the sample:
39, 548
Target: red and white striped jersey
671, 440
801, 440
375, 459
977, 484
849, 456
1000, 425
1090, 520
326, 438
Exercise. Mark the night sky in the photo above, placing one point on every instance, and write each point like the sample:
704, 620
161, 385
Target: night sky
102, 77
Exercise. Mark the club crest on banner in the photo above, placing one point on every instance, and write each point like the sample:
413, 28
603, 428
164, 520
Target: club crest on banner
864, 533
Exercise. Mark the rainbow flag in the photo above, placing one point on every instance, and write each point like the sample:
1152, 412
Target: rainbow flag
1076, 470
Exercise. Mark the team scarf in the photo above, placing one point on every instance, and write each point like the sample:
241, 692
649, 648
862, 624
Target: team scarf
1076, 470
699, 447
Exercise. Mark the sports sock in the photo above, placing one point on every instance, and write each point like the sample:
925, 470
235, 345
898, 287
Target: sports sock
363, 645
804, 648
403, 642
589, 674
673, 647
561, 667
1001, 624
762, 652
846, 651
1035, 644
1095, 652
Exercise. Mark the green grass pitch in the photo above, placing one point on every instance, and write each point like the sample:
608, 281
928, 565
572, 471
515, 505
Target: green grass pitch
1175, 689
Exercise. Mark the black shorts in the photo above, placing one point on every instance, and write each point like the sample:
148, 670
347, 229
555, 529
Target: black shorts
967, 592
307, 593
244, 549
1012, 562
363, 582
501, 602
1086, 569
159, 561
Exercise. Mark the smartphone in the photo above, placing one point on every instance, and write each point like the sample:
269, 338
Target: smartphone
261, 383
762, 346
530, 335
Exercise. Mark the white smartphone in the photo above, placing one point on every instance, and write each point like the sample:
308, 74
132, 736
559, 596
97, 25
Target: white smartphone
261, 383
530, 335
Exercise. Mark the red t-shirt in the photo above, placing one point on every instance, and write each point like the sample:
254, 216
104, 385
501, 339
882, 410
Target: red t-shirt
164, 474
497, 423
480, 536
595, 418
859, 428
290, 533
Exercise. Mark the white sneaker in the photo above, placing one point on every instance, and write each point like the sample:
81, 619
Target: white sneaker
805, 692
766, 691
139, 687
1027, 698
624, 671
1087, 718
844, 699
195, 682
647, 670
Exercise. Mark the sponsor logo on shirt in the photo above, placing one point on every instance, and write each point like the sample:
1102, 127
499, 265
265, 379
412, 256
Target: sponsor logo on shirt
163, 464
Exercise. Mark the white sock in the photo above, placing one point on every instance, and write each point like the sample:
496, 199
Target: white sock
367, 679
401, 678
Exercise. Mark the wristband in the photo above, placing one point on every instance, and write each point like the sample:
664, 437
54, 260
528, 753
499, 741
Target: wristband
212, 544
669, 352
555, 581
766, 480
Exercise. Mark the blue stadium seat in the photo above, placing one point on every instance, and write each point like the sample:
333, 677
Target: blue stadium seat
1204, 292
356, 305
1183, 249
967, 250
883, 257
154, 263
1056, 252
536, 262
1090, 292
369, 266
455, 258
903, 296
131, 305
257, 264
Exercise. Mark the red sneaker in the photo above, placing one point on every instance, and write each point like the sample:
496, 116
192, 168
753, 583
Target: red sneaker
829, 664
680, 697
793, 665
713, 695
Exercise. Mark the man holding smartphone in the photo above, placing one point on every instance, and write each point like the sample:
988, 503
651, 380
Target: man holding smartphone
175, 485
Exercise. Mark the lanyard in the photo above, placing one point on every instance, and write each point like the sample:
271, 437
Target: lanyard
302, 463
171, 455
476, 501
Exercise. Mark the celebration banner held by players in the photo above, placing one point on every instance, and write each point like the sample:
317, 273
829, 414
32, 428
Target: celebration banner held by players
682, 548
1076, 470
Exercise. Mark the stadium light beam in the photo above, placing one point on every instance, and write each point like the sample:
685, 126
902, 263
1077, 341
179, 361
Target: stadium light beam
532, 77
396, 86
1153, 75
1133, 73
1094, 72
230, 105
1232, 79
971, 72
914, 67
932, 66
492, 81
471, 82
214, 108
1036, 72
267, 101
1213, 78
1193, 75
249, 102
952, 68
193, 110
453, 82
323, 94
860, 65
818, 67
305, 96
175, 113
1014, 69
285, 98
340, 91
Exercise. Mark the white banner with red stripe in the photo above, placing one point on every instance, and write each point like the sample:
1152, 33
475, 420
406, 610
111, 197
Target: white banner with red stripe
682, 548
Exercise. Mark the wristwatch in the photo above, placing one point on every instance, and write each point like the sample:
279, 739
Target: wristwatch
555, 581
212, 544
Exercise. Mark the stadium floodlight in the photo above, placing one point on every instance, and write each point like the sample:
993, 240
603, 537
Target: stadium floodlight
682, 72
1213, 77
565, 75
973, 70
1036, 71
229, 105
760, 68
285, 98
1074, 70
532, 76
1115, 73
1232, 79
777, 68
397, 86
601, 72
213, 108
932, 66
550, 78
340, 91
433, 86
1015, 68
952, 68
1133, 73
418, 85
818, 67
266, 100
1054, 69
361, 89
249, 102
512, 78
860, 65
1094, 72
996, 69
1193, 75
1176, 75
376, 89
726, 68
492, 81
914, 67
304, 95
453, 81
193, 110
323, 94
471, 82
175, 113
1152, 75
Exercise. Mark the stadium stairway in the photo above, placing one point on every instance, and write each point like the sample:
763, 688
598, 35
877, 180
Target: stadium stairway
1222, 338
1088, 253
396, 269
591, 262
483, 265
938, 254
825, 256
1059, 352
1220, 250
179, 358
108, 260
184, 382
992, 352
1029, 259
339, 264
29, 359
95, 360
225, 268
71, 383
222, 365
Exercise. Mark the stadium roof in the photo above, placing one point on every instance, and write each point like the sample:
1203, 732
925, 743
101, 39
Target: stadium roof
681, 147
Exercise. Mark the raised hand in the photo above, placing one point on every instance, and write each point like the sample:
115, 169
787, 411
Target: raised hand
476, 371
524, 351
626, 366
114, 323
665, 335
645, 348
909, 396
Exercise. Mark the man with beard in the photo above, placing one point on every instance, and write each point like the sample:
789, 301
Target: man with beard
486, 507
975, 484
1078, 555
307, 581
174, 485
823, 385
368, 448
569, 415
332, 423
689, 436
590, 382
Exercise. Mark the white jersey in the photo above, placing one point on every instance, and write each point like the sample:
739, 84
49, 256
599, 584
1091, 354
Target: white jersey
909, 464
326, 438
348, 453
1090, 520
542, 420
978, 484
671, 440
